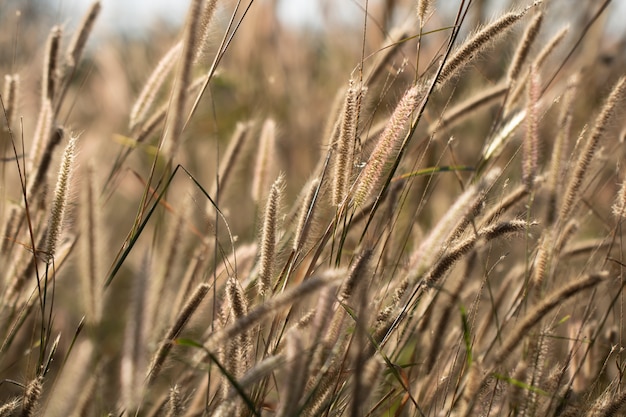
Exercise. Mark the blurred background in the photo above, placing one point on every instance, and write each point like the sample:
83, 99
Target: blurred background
288, 60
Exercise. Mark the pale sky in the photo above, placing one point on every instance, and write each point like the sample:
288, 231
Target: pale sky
138, 15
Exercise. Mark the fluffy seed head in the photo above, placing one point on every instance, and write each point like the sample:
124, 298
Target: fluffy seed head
530, 151
10, 97
306, 216
619, 207
268, 240
50, 70
589, 148
32, 393
347, 132
476, 44
61, 196
389, 141
79, 40
524, 47
422, 8
149, 92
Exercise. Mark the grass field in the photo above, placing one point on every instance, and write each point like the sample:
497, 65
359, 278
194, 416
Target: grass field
416, 212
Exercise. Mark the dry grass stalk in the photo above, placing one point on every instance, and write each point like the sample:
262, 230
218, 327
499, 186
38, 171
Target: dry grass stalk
505, 204
538, 62
328, 323
307, 216
385, 317
206, 17
543, 258
542, 308
289, 296
324, 321
345, 145
613, 405
530, 147
566, 234
61, 197
388, 142
171, 251
158, 116
423, 6
183, 81
333, 123
450, 226
296, 374
460, 112
267, 255
588, 151
539, 349
91, 245
41, 136
358, 355
150, 89
493, 149
304, 347
561, 145
20, 270
549, 47
236, 352
392, 44
323, 392
579, 369
442, 328
472, 388
452, 255
265, 161
173, 332
9, 407
371, 375
619, 207
227, 164
10, 98
237, 302
50, 78
531, 32
37, 181
585, 247
356, 276
357, 351
477, 43
174, 403
32, 394
260, 371
9, 231
133, 362
516, 395
195, 267
79, 39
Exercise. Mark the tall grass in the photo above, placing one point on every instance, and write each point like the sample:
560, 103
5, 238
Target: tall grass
417, 216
